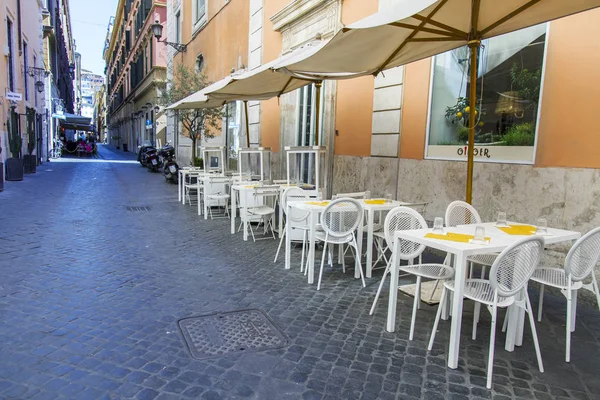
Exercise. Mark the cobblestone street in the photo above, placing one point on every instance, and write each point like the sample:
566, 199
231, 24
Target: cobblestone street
91, 295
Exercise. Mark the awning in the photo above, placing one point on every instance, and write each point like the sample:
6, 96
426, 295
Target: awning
411, 30
72, 121
199, 99
264, 82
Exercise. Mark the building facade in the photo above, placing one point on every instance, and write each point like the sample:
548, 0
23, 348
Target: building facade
135, 67
59, 62
22, 75
215, 33
90, 85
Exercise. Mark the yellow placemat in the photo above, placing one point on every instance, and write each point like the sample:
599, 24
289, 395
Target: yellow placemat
250, 186
317, 203
375, 201
518, 229
453, 237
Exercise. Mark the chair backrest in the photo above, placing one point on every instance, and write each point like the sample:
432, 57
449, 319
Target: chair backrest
402, 219
341, 217
515, 265
583, 256
461, 213
355, 195
294, 193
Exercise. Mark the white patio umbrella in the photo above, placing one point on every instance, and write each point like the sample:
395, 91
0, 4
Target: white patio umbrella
199, 98
264, 82
416, 29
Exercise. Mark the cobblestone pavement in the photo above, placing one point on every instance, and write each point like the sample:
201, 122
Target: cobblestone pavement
90, 296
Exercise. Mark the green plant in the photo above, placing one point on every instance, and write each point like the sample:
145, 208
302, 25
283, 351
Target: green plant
462, 132
197, 124
520, 135
30, 130
459, 112
198, 162
527, 83
14, 136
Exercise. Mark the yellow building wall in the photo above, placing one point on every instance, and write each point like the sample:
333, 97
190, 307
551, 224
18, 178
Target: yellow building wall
568, 130
223, 41
270, 112
568, 133
354, 107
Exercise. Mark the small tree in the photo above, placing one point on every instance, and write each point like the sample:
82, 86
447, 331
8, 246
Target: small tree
14, 136
30, 130
197, 124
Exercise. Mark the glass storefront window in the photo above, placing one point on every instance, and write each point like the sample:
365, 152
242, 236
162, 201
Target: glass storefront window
509, 81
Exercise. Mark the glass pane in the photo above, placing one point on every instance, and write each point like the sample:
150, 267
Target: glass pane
508, 94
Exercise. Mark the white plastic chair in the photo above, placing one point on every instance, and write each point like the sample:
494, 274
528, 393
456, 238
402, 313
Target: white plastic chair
461, 213
405, 218
264, 200
296, 218
507, 285
579, 265
339, 220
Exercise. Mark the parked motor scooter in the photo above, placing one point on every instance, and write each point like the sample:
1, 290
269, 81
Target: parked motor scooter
170, 167
152, 162
143, 152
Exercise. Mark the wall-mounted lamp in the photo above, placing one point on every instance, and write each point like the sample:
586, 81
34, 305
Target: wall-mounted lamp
157, 29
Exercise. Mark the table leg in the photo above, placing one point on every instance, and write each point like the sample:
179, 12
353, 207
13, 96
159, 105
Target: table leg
288, 242
198, 196
179, 185
233, 209
393, 296
370, 218
204, 195
311, 247
280, 223
244, 210
457, 305
359, 240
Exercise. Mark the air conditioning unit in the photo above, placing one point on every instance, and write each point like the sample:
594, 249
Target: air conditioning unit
6, 50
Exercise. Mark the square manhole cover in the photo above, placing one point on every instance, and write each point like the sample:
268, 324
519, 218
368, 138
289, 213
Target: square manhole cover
231, 332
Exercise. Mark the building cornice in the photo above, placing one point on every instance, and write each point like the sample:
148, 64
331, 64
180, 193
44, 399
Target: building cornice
295, 10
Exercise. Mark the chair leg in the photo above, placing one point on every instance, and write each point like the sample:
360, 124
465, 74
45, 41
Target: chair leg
475, 320
357, 261
303, 249
322, 263
438, 315
483, 269
279, 247
387, 270
568, 327
434, 289
506, 316
541, 303
492, 344
595, 287
415, 307
536, 343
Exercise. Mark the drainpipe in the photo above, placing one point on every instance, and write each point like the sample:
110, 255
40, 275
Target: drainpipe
19, 24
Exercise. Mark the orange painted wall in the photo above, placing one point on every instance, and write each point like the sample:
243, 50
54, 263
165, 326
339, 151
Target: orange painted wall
354, 107
568, 131
223, 41
415, 109
270, 112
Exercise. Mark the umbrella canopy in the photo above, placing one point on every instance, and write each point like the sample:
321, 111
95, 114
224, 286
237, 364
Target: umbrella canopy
264, 83
199, 99
415, 29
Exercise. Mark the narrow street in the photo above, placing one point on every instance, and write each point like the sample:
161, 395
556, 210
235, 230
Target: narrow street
91, 294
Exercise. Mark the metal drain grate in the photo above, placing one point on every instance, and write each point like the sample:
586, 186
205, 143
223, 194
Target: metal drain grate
232, 332
139, 208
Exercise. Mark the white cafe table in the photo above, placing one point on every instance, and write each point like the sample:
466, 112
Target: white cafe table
370, 206
499, 240
183, 172
315, 208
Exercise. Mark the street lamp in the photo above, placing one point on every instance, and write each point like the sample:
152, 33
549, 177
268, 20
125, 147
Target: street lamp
39, 86
157, 29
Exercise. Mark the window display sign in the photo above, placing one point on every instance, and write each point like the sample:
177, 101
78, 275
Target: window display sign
509, 82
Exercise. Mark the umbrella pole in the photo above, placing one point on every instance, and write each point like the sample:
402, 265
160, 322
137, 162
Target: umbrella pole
318, 104
474, 46
247, 124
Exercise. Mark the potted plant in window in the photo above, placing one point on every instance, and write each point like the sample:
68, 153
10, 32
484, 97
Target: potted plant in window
14, 165
30, 159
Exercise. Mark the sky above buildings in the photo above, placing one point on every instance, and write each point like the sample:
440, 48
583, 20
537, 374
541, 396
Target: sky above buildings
89, 20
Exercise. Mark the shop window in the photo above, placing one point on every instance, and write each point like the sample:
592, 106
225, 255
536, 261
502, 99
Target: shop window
509, 81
